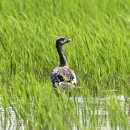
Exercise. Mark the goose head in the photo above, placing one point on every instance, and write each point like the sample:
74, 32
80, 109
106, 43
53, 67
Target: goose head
61, 41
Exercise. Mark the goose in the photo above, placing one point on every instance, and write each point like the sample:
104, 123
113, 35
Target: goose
62, 76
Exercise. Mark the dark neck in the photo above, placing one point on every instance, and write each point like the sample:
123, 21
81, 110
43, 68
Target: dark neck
63, 61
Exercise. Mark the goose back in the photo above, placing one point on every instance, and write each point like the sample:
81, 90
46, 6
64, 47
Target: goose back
63, 75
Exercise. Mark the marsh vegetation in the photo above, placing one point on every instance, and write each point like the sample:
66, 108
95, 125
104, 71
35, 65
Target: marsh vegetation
99, 54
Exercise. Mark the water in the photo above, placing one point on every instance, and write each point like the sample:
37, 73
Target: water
8, 120
98, 113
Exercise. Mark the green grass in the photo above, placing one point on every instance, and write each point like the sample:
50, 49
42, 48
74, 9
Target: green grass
99, 53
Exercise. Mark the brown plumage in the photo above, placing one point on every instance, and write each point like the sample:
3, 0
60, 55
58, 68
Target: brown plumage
62, 75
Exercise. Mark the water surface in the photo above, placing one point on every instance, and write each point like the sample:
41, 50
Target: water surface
95, 116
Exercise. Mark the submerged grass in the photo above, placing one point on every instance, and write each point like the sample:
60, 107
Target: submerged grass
99, 54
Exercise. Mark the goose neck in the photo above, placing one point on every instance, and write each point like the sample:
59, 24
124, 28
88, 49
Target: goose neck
63, 61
